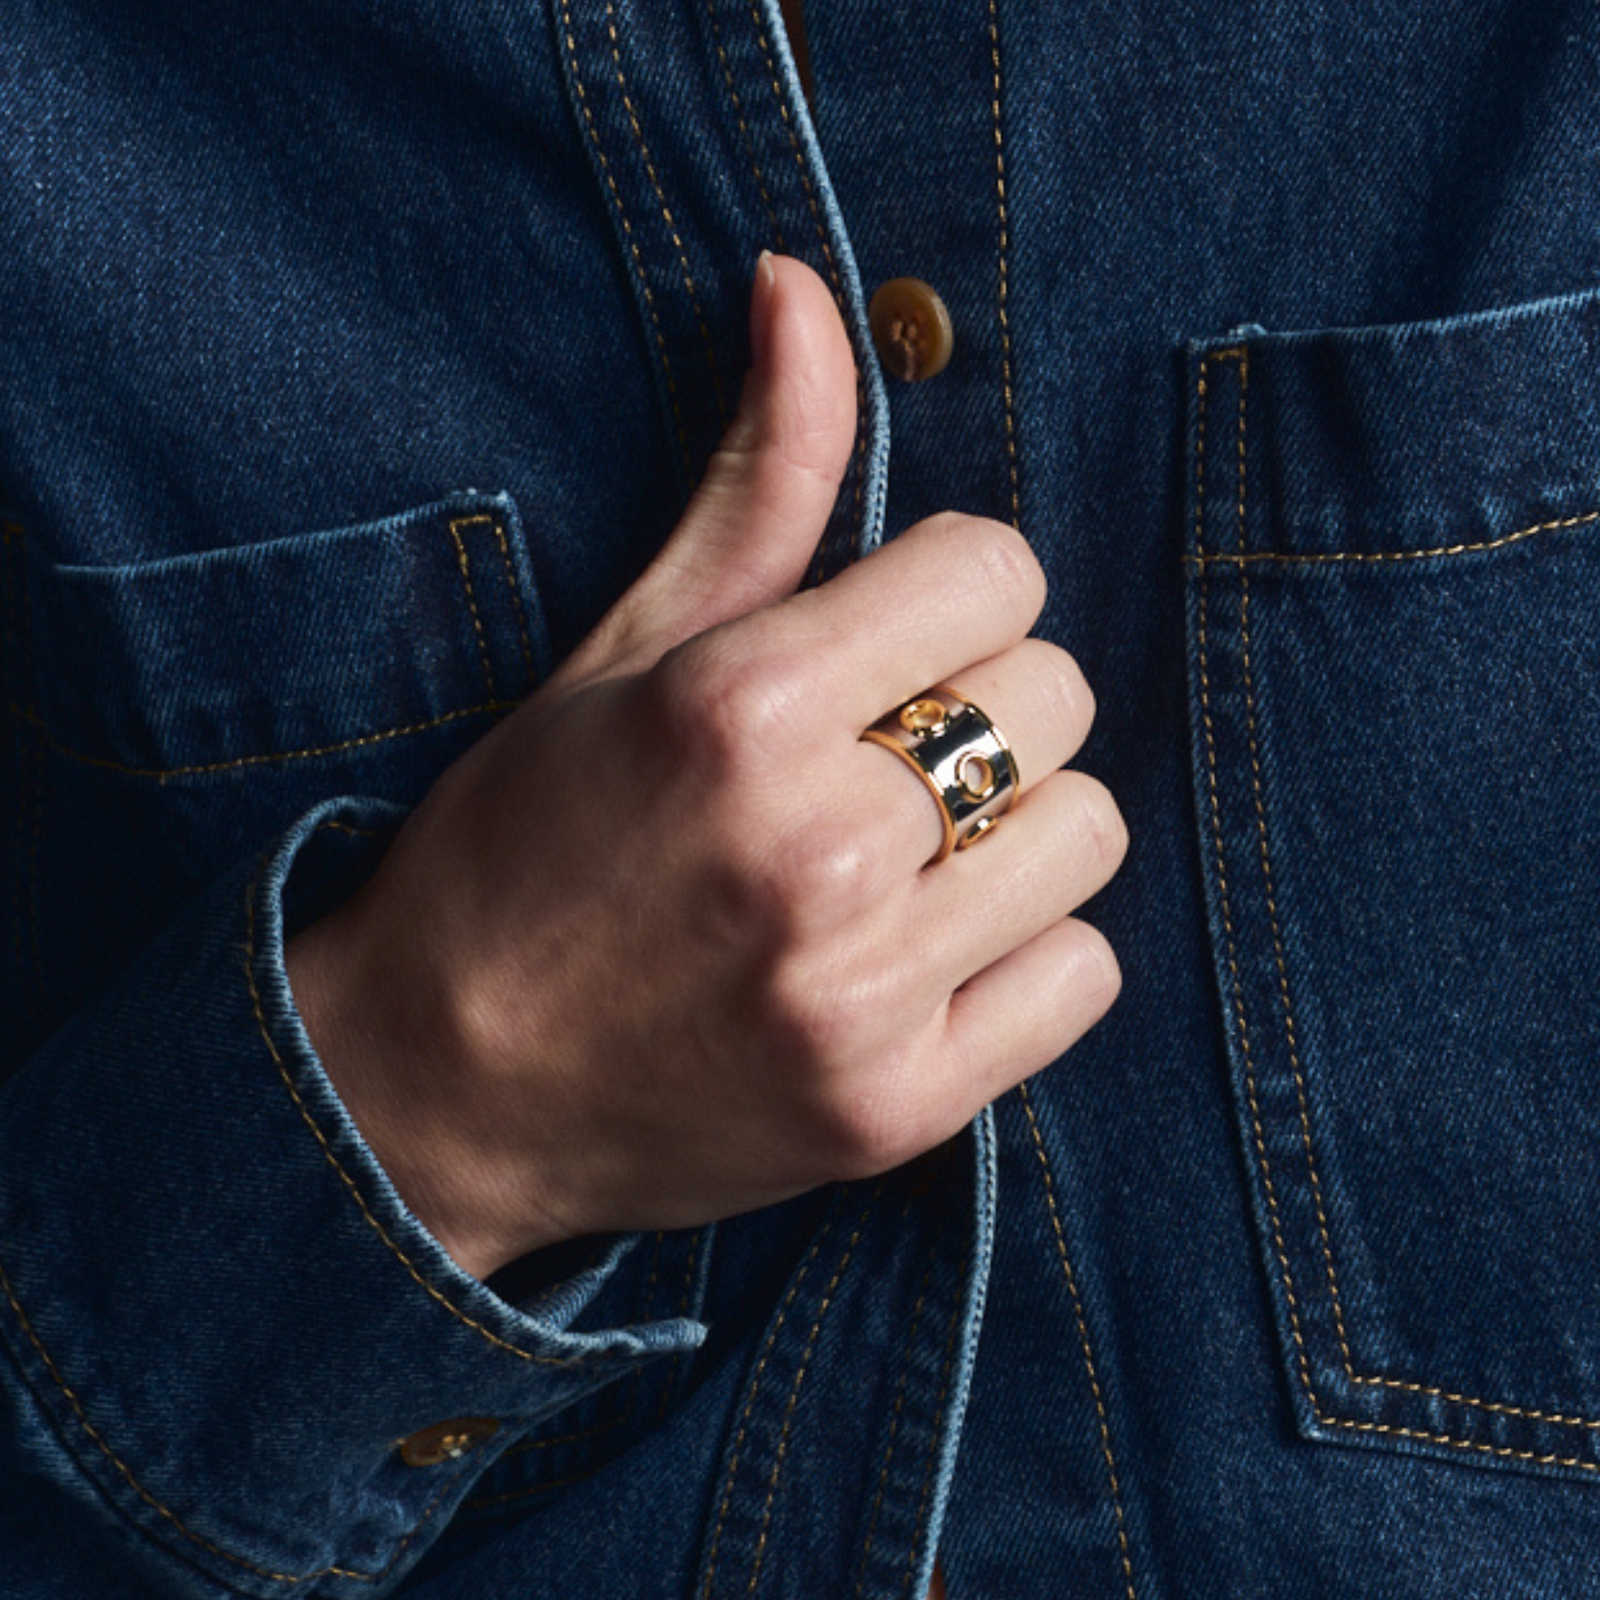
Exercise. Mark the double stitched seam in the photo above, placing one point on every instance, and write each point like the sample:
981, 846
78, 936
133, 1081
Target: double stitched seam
734, 1455
1004, 271
896, 1412
164, 1511
593, 131
1241, 359
206, 769
666, 212
350, 1185
835, 278
472, 599
1079, 1316
744, 127
781, 1455
947, 1372
1376, 558
510, 570
516, 599
1230, 939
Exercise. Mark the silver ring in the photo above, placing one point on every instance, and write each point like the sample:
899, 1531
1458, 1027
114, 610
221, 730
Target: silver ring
959, 754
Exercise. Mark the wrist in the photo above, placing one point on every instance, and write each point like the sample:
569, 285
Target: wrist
392, 1047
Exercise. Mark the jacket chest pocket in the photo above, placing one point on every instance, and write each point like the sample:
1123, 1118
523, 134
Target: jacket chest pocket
174, 715
1393, 594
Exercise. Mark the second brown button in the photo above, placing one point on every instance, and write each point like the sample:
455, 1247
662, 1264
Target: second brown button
911, 329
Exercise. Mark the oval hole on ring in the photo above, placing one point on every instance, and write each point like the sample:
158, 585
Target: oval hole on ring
976, 776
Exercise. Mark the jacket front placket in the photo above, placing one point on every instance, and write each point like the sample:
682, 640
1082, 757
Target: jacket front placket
839, 1448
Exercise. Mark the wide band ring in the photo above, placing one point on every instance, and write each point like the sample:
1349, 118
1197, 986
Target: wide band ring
959, 754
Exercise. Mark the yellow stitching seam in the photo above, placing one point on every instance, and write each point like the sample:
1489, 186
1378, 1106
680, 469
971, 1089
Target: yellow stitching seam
666, 213
472, 599
895, 1413
1290, 1029
165, 1511
516, 597
1005, 288
782, 1452
1080, 1317
734, 1455
311, 753
1230, 942
351, 829
627, 229
1502, 1451
1375, 558
744, 129
331, 1156
1378, 1380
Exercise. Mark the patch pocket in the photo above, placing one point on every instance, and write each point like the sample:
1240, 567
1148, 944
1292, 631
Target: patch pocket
1393, 582
174, 715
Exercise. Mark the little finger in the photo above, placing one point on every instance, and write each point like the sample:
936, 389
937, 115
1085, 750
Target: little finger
1020, 1014
1061, 844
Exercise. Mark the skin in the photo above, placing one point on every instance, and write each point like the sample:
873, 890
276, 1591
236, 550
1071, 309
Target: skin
665, 945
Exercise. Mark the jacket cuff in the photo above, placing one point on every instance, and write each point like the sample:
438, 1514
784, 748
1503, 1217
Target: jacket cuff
246, 1347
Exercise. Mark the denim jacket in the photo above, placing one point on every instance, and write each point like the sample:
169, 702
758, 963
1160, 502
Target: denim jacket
354, 356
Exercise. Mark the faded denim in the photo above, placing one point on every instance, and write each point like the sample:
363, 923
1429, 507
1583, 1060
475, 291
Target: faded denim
353, 357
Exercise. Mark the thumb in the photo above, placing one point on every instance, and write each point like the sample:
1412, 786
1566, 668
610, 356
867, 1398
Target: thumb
748, 534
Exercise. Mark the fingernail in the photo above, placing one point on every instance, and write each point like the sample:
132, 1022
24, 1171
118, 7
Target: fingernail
761, 302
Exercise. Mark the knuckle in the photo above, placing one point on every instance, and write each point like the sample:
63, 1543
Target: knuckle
826, 873
827, 1010
722, 706
850, 1080
868, 1132
797, 886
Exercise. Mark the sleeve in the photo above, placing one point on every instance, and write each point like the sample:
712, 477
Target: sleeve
235, 1363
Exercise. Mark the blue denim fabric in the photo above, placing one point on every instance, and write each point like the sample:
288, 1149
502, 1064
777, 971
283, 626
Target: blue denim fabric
353, 357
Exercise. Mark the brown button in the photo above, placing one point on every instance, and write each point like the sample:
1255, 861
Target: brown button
446, 1441
911, 329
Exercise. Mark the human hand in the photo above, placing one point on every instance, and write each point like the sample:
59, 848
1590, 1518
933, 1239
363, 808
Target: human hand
661, 947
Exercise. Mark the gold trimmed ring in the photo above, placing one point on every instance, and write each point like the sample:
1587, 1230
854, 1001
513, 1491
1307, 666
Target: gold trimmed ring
959, 754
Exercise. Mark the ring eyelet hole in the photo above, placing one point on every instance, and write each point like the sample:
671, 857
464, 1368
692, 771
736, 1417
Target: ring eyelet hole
925, 718
976, 776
